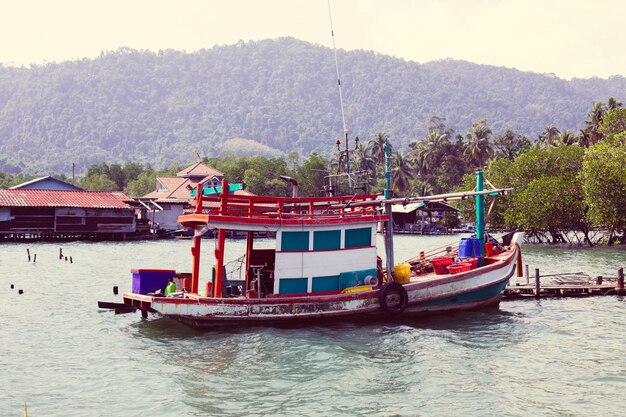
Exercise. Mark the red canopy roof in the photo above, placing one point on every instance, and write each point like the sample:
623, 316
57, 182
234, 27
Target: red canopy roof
62, 198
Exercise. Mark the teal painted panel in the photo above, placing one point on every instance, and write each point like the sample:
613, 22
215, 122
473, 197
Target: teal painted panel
208, 190
330, 283
470, 297
327, 240
358, 237
294, 241
353, 278
293, 285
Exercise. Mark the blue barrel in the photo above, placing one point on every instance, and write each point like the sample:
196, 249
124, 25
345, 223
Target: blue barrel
469, 247
476, 248
466, 247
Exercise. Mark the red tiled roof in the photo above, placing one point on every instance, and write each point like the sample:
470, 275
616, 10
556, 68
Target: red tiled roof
198, 169
62, 198
176, 187
171, 183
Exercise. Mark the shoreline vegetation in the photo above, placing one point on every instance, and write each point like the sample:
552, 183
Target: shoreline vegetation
568, 185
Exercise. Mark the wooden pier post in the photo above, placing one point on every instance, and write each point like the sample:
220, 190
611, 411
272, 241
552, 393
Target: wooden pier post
620, 281
537, 284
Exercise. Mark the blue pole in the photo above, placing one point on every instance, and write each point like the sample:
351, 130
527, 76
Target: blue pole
480, 213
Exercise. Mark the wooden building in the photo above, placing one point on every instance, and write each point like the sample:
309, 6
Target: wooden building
422, 217
63, 214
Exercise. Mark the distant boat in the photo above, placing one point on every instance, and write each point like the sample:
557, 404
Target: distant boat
323, 266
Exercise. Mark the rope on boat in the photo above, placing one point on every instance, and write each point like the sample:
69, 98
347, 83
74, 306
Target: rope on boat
431, 253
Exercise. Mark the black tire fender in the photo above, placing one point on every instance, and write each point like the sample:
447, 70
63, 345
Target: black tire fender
393, 291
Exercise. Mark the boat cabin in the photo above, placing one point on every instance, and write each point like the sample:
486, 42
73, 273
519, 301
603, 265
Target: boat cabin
323, 245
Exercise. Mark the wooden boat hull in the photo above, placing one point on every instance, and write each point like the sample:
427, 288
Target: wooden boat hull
473, 289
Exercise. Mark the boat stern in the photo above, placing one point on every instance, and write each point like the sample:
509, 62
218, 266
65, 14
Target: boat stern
139, 301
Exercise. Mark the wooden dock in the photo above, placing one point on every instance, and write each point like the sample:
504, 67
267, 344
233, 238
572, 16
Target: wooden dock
576, 284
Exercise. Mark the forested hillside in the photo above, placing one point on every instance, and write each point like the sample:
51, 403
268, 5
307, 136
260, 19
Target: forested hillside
270, 97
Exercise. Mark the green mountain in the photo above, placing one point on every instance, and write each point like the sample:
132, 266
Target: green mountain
280, 95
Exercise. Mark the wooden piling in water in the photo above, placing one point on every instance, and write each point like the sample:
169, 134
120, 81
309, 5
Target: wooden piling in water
537, 284
620, 281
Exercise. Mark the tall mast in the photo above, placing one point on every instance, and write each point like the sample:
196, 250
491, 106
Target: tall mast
343, 115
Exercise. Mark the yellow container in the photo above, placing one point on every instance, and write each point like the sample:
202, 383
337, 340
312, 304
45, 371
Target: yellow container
402, 273
358, 288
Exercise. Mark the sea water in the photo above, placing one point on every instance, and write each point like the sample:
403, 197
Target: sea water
64, 357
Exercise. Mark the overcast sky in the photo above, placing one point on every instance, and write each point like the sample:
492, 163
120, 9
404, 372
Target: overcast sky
571, 38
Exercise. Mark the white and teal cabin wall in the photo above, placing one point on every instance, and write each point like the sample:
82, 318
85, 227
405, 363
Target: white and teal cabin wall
320, 259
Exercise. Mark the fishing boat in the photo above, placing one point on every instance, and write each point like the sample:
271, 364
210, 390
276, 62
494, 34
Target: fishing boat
323, 265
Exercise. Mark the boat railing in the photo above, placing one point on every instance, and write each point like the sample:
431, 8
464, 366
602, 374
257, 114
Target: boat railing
290, 207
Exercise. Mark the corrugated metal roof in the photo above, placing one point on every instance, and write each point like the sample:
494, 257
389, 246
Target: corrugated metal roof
429, 206
42, 183
62, 198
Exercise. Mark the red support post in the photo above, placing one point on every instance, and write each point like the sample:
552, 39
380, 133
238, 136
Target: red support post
249, 248
520, 272
221, 239
195, 271
195, 248
199, 191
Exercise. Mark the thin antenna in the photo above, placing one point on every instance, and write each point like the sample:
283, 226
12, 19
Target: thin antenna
343, 114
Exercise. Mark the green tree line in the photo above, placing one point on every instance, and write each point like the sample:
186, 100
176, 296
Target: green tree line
566, 181
563, 181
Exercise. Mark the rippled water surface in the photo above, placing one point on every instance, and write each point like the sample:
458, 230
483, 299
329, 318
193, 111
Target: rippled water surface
64, 357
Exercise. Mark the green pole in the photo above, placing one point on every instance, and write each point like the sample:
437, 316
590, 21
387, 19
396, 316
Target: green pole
389, 227
480, 213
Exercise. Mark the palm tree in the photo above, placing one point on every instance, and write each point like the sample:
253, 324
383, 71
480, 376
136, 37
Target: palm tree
426, 154
509, 144
401, 172
549, 137
478, 148
613, 104
422, 188
583, 139
568, 138
594, 121
377, 147
363, 160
